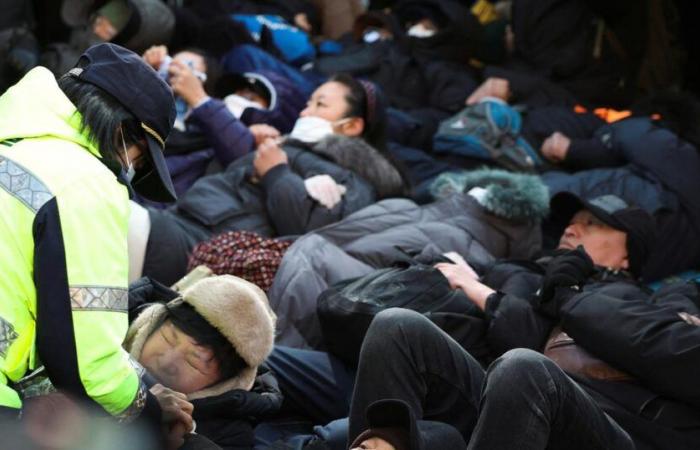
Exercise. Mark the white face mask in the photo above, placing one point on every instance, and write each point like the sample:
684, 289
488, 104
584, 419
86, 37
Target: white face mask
237, 104
130, 171
312, 129
420, 31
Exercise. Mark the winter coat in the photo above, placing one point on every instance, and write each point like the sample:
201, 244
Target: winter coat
215, 137
619, 322
559, 59
650, 166
277, 205
227, 412
394, 230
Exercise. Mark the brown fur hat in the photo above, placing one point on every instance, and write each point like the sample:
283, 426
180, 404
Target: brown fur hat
235, 307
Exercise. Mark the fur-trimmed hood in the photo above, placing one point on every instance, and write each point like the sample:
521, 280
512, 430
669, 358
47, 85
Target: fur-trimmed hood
235, 307
355, 154
505, 194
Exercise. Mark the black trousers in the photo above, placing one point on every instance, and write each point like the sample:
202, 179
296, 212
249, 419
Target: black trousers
523, 400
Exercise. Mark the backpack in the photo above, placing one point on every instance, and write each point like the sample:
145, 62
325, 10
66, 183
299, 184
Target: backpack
490, 131
346, 309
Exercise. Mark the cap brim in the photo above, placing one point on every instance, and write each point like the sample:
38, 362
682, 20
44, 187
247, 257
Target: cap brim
156, 184
394, 413
565, 204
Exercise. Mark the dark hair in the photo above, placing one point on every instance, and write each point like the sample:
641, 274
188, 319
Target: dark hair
190, 322
371, 110
102, 115
213, 67
366, 100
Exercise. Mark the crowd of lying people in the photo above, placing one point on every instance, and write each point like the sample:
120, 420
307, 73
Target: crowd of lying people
348, 224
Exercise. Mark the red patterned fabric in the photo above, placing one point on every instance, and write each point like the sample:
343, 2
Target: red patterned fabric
241, 253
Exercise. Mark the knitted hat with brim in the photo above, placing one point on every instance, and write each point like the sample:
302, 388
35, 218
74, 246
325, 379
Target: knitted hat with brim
239, 310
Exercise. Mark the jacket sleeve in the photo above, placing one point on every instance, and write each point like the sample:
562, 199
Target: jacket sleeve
513, 320
228, 136
647, 340
294, 212
598, 151
80, 274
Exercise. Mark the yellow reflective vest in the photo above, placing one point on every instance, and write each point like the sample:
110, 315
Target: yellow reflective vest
63, 254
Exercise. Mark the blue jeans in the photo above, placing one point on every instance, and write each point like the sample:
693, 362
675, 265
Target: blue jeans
317, 389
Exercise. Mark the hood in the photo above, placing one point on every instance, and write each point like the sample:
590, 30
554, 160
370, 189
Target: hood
357, 155
508, 195
235, 307
458, 37
152, 22
286, 100
36, 107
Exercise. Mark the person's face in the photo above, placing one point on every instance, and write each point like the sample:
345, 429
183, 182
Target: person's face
196, 61
134, 153
374, 444
103, 28
178, 361
328, 102
606, 246
253, 96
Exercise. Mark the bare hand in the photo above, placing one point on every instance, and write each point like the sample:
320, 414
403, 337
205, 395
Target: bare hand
301, 20
492, 87
175, 435
556, 147
261, 132
267, 156
374, 443
457, 259
175, 407
155, 55
457, 275
186, 84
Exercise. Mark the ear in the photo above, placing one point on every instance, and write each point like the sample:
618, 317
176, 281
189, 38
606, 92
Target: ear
353, 127
625, 263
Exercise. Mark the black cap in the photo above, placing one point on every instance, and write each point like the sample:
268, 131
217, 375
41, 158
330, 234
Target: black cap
610, 209
258, 83
422, 434
123, 74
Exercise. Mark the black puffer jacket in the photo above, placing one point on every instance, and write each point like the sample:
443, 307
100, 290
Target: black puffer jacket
648, 165
277, 205
625, 326
562, 53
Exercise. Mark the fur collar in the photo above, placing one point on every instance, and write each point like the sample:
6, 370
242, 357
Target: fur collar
355, 154
235, 307
508, 195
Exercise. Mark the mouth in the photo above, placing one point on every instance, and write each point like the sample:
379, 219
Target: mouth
565, 245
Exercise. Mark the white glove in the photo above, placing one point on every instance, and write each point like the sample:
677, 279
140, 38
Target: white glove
324, 190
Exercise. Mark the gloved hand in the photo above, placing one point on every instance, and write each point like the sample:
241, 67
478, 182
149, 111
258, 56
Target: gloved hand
324, 190
564, 277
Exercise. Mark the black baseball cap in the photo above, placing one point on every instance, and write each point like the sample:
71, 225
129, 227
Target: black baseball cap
615, 212
422, 434
133, 83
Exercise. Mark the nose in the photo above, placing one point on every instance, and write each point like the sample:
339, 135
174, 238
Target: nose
573, 230
305, 112
169, 360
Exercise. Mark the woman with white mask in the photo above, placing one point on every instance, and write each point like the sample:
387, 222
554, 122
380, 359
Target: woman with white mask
332, 164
